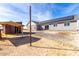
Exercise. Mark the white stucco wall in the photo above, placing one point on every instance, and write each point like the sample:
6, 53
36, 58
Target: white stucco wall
43, 27
78, 25
73, 26
77, 18
24, 27
34, 26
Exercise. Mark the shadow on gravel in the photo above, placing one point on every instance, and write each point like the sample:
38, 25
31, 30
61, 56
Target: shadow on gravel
0, 49
17, 41
55, 48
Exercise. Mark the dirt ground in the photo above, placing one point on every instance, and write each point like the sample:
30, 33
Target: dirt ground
44, 43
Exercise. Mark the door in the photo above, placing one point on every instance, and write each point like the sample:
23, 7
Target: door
47, 27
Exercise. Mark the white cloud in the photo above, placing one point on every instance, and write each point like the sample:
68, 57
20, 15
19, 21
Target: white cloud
7, 14
42, 16
42, 12
70, 9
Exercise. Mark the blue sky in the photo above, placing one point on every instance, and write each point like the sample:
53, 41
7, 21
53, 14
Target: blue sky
40, 11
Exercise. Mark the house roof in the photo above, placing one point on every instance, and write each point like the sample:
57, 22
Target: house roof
11, 23
34, 22
59, 20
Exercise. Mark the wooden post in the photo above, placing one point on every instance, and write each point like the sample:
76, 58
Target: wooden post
30, 25
22, 30
0, 35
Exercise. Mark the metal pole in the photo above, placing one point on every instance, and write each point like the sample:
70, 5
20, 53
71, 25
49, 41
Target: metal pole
30, 25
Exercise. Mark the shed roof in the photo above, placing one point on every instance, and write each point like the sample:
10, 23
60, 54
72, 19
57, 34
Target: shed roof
11, 23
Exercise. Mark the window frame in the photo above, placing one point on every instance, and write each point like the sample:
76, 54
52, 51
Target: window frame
67, 23
55, 25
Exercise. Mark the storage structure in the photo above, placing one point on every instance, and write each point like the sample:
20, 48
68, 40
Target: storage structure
11, 27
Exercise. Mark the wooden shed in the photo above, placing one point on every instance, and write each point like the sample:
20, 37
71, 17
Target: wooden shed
11, 27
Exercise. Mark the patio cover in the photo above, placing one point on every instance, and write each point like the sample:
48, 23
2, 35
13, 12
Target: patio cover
11, 23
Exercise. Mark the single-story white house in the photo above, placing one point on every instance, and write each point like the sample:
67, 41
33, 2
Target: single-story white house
35, 25
63, 23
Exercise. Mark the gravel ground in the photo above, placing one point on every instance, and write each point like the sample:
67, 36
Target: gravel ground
42, 45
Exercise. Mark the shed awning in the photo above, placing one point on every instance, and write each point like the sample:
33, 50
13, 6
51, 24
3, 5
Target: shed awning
11, 23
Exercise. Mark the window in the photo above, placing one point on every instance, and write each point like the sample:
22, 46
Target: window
55, 25
67, 23
50, 24
47, 27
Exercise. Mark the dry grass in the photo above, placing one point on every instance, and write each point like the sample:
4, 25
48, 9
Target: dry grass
42, 47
